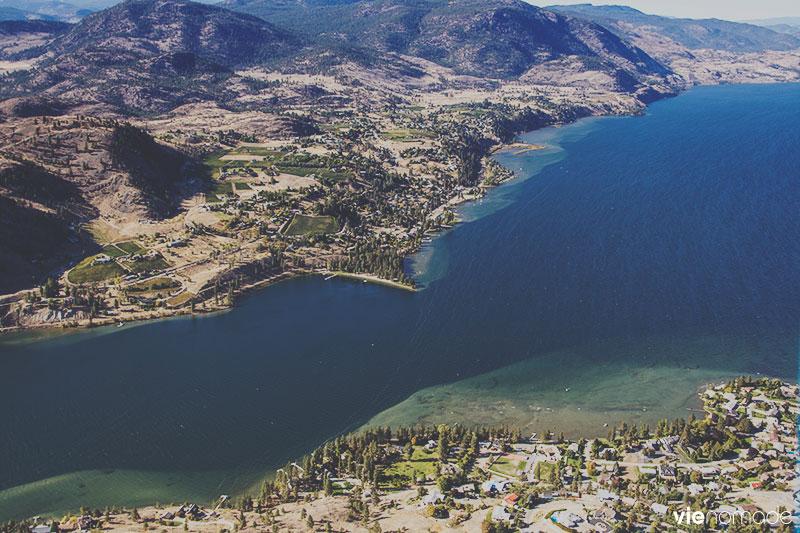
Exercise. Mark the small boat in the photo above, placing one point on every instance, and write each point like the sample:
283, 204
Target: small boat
120, 325
605, 425
566, 390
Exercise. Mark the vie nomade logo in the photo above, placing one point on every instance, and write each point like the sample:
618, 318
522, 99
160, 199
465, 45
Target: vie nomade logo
725, 518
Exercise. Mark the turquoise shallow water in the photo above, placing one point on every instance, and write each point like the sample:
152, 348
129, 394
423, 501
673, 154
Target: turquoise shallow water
636, 259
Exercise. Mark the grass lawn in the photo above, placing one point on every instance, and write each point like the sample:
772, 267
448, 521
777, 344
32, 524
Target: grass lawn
157, 284
298, 170
144, 264
112, 251
546, 471
180, 299
131, 247
214, 159
305, 225
218, 187
334, 176
422, 462
242, 186
86, 272
507, 466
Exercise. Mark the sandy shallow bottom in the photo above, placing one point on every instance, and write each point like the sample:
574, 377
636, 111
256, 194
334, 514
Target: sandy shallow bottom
579, 390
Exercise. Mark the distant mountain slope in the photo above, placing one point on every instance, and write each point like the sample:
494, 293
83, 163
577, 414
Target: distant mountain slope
790, 25
496, 38
150, 27
43, 10
149, 56
693, 34
12, 13
21, 39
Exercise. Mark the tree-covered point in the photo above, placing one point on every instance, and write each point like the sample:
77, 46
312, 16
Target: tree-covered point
373, 257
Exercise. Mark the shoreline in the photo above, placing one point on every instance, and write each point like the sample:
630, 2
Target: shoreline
183, 310
711, 396
77, 318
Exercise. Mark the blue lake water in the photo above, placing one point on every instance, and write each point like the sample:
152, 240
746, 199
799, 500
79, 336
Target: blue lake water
633, 251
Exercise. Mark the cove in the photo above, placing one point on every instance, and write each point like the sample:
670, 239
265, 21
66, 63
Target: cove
633, 253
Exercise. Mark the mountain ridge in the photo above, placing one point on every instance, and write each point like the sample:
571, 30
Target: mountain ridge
715, 34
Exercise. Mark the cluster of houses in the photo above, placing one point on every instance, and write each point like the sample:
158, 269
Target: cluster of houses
768, 464
189, 511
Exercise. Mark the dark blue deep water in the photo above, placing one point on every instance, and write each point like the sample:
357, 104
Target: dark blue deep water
678, 224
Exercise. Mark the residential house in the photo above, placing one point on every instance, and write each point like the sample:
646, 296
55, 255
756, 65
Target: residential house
659, 508
606, 513
605, 495
501, 514
667, 472
511, 500
432, 498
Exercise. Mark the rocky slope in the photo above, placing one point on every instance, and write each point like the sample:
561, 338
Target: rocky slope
58, 172
484, 38
148, 56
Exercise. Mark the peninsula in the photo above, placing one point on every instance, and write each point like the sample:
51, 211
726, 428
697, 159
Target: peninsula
235, 163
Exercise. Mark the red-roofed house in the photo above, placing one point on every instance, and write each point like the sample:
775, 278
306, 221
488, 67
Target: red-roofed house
511, 500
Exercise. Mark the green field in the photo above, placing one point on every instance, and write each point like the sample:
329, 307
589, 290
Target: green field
507, 466
86, 272
406, 135
213, 159
113, 251
242, 186
131, 247
218, 187
306, 225
422, 462
547, 472
299, 171
157, 284
144, 264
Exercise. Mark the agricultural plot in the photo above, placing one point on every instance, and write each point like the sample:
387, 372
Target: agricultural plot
144, 264
113, 251
406, 135
180, 299
157, 284
218, 188
306, 225
131, 247
88, 272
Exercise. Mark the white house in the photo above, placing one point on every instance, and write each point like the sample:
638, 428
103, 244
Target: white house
501, 514
659, 508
